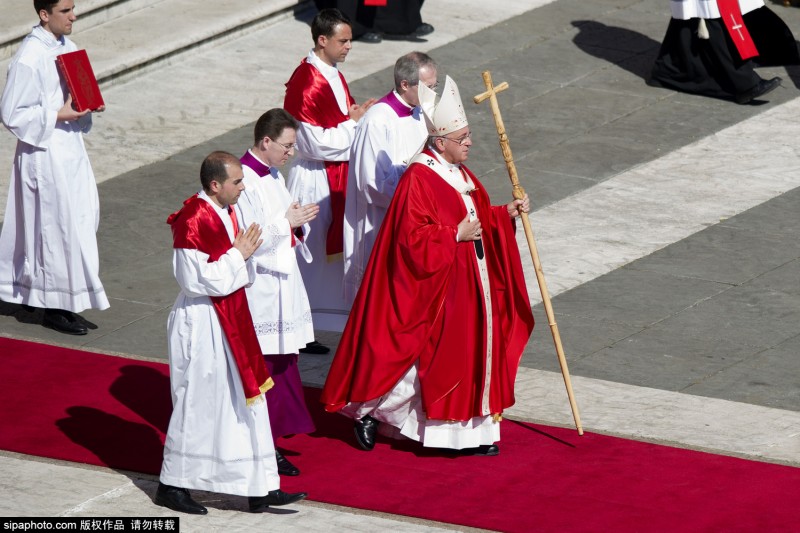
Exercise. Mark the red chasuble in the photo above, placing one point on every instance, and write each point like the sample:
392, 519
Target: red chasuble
420, 301
310, 99
196, 226
731, 15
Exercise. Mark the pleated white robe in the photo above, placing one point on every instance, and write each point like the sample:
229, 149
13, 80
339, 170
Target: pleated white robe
307, 182
383, 146
277, 298
48, 246
215, 442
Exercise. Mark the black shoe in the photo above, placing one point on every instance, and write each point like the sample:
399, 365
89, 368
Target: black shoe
423, 29
315, 348
63, 322
412, 37
365, 430
285, 468
488, 450
177, 499
370, 37
761, 88
277, 497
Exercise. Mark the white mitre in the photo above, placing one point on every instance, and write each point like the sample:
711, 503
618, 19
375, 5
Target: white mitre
444, 114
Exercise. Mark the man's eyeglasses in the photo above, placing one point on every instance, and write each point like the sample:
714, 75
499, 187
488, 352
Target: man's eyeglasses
286, 147
431, 87
461, 140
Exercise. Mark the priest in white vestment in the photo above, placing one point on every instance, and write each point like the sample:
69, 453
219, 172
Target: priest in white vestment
219, 436
277, 298
388, 136
318, 97
48, 246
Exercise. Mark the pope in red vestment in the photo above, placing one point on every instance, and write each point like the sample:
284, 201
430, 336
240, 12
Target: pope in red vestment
436, 333
421, 301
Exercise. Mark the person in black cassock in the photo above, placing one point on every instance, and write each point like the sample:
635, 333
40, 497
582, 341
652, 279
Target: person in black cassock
712, 47
375, 20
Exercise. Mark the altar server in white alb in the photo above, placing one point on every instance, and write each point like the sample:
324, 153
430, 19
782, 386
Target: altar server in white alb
48, 247
712, 47
318, 97
219, 436
388, 136
277, 298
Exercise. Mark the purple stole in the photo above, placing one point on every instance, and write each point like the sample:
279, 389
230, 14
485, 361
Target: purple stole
252, 162
397, 106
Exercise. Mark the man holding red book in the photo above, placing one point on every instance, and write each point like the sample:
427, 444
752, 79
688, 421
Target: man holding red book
48, 247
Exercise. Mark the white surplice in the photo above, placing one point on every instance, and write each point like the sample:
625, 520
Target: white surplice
48, 247
707, 9
215, 441
308, 183
277, 299
381, 151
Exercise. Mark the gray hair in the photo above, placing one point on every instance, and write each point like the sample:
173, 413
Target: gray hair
408, 66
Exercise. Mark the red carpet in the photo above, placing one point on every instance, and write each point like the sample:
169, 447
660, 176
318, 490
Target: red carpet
112, 411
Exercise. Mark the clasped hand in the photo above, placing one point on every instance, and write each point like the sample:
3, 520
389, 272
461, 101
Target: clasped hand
248, 241
357, 111
297, 214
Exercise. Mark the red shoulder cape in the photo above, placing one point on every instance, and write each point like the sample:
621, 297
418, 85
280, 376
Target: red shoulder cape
420, 302
309, 98
196, 226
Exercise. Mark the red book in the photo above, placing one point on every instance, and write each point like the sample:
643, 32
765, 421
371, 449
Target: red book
374, 2
78, 73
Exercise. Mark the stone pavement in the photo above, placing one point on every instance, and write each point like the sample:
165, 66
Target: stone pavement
667, 227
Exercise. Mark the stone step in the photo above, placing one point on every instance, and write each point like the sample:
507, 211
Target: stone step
20, 17
145, 33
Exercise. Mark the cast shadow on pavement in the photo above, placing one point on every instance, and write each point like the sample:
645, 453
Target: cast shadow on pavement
627, 49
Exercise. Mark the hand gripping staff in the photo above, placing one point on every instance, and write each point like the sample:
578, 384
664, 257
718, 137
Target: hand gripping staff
518, 192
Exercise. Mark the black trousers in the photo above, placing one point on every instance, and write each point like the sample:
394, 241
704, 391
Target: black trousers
399, 17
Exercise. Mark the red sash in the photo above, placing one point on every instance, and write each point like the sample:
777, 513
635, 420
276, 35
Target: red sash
310, 99
732, 18
196, 226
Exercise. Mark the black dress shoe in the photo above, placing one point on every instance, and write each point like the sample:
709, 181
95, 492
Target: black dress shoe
285, 468
63, 322
277, 497
365, 430
177, 499
412, 37
761, 88
370, 37
315, 348
486, 450
489, 450
423, 29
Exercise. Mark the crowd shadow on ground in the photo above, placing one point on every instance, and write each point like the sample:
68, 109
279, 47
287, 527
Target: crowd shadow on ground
627, 49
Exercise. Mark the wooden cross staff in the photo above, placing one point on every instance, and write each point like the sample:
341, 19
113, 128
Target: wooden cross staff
519, 193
